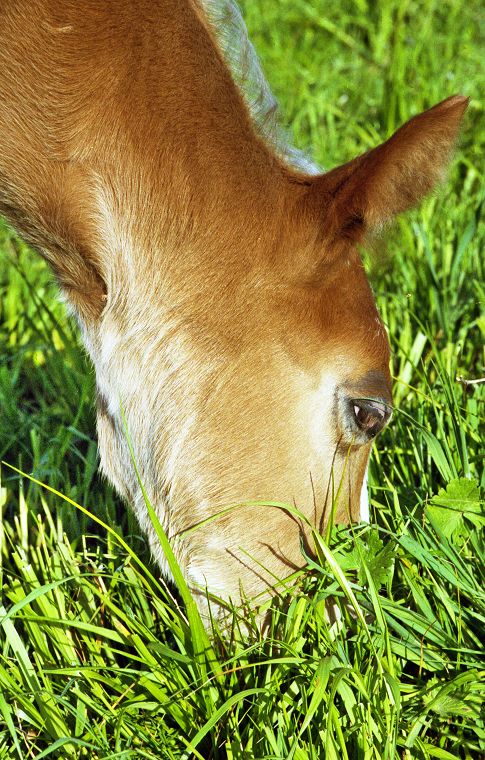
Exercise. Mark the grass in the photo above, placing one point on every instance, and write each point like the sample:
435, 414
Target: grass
99, 658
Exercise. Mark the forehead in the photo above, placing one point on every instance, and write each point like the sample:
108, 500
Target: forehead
374, 383
336, 314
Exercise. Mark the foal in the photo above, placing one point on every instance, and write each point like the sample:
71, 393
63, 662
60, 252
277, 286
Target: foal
215, 277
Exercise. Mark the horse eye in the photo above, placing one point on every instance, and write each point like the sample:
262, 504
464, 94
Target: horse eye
370, 415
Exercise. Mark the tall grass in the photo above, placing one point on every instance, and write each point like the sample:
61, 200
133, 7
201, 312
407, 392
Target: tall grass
100, 658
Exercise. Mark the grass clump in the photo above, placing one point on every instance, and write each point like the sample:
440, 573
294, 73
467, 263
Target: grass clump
99, 658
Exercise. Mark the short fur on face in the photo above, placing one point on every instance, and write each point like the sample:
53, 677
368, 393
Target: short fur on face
219, 290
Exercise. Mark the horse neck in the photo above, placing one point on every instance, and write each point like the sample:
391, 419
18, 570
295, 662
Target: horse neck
190, 139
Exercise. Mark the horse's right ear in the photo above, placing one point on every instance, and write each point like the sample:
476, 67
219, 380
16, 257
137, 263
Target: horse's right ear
370, 190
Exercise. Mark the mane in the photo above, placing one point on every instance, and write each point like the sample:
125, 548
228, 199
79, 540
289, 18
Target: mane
227, 25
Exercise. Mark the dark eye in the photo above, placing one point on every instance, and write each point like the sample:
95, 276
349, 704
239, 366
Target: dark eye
370, 415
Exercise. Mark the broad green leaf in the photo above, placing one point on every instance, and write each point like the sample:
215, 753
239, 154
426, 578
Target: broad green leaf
448, 508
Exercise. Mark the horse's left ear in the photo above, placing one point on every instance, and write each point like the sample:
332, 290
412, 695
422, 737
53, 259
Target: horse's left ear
368, 191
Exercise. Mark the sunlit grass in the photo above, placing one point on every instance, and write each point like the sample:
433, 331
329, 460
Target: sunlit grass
100, 659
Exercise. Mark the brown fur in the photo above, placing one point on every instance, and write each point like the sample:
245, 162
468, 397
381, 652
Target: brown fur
219, 292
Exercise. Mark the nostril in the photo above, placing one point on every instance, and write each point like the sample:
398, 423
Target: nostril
370, 415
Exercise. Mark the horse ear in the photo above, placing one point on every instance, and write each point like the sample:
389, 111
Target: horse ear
370, 190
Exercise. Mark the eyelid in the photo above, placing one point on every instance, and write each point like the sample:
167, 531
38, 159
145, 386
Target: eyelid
389, 408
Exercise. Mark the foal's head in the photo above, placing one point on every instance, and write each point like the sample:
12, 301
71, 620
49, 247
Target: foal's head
255, 368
